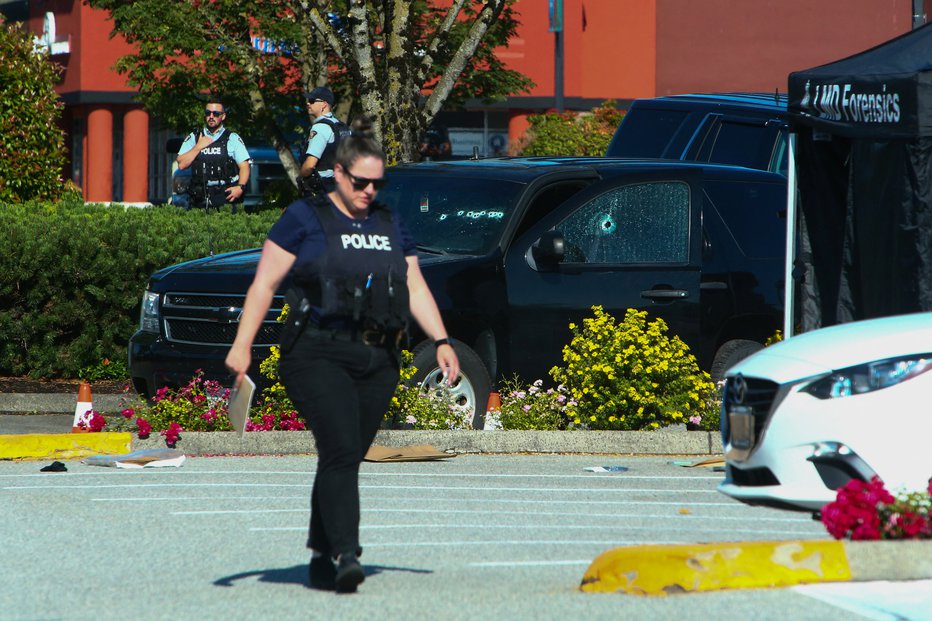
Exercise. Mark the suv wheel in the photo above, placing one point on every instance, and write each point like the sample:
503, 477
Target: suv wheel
730, 354
472, 388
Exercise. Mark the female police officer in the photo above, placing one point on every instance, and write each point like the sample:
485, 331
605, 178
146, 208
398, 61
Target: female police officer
356, 278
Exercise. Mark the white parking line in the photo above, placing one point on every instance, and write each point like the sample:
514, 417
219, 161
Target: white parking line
573, 490
502, 512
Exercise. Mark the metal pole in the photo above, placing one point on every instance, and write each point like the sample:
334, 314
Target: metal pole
919, 16
789, 287
558, 70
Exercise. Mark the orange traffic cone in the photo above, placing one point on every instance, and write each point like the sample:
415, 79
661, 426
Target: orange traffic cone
83, 408
492, 411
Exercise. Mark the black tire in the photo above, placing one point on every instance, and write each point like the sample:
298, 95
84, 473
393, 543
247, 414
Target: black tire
471, 389
730, 354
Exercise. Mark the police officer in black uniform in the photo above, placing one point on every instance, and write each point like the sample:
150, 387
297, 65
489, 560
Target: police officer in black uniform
321, 145
356, 277
218, 159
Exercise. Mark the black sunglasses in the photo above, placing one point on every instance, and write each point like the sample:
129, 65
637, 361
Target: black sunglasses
214, 113
361, 183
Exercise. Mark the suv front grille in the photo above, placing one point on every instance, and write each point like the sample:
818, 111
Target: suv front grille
203, 300
205, 332
212, 319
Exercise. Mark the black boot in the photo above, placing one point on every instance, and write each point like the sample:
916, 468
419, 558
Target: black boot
349, 573
322, 573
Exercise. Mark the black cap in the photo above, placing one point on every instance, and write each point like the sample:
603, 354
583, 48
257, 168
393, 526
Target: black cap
322, 93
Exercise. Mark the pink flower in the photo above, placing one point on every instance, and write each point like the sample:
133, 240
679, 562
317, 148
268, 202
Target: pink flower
172, 434
128, 413
143, 428
410, 419
695, 419
97, 421
161, 393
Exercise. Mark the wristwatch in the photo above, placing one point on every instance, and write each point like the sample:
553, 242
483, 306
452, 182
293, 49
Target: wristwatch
242, 186
444, 341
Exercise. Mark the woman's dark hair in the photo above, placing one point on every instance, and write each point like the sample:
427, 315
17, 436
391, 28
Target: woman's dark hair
360, 143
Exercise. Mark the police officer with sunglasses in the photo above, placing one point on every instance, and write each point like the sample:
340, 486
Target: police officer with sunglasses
356, 281
316, 176
218, 159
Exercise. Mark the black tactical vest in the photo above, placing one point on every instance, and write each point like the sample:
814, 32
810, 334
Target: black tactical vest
214, 165
340, 131
362, 278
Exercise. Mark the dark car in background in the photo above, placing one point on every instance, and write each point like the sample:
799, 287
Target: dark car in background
738, 129
268, 185
514, 250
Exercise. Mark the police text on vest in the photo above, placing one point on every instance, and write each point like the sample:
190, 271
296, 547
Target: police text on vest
369, 242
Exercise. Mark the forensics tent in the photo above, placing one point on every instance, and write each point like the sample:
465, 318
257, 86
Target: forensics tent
863, 211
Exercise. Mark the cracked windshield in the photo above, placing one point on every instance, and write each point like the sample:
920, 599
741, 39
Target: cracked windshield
447, 214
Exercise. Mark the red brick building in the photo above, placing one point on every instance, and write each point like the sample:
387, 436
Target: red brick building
611, 49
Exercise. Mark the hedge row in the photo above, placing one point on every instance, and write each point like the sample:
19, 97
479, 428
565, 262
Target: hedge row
72, 276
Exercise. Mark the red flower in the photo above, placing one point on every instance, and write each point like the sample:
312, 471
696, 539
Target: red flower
128, 413
97, 421
143, 427
172, 434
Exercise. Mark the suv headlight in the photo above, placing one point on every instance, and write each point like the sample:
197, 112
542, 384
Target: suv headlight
149, 313
869, 377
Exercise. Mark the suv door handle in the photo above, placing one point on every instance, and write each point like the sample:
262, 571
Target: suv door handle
665, 294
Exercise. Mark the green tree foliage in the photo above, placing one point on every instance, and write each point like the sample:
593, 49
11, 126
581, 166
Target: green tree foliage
379, 55
572, 134
31, 143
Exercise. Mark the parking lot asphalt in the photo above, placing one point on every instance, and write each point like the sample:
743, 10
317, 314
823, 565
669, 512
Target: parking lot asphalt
643, 570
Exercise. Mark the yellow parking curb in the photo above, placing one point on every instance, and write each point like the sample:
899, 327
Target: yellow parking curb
63, 445
665, 569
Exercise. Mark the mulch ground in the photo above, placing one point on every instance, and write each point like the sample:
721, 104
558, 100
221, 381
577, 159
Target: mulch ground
27, 385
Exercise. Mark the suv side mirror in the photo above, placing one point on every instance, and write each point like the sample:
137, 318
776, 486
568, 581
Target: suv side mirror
549, 250
173, 145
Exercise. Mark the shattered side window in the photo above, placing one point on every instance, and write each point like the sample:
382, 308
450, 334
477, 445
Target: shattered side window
644, 223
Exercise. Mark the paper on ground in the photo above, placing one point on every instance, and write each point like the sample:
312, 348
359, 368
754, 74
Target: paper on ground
240, 402
606, 469
418, 452
147, 458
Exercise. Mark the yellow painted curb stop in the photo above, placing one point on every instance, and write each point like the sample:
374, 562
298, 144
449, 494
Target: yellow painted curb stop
63, 445
666, 569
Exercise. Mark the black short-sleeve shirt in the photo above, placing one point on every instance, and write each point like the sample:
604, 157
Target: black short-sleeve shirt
299, 232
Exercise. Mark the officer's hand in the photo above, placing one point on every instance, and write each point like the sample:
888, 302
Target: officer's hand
237, 362
448, 363
234, 192
204, 141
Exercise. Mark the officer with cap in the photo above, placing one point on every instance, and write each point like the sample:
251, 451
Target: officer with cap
218, 159
326, 132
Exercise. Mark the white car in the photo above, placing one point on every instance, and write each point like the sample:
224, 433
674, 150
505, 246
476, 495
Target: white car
804, 416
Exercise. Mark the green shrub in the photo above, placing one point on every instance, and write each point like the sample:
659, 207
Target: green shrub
32, 145
73, 276
570, 133
632, 375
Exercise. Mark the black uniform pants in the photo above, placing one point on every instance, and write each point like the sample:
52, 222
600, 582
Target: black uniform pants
342, 390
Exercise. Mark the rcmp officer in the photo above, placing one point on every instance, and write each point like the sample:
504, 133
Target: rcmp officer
218, 159
323, 139
356, 280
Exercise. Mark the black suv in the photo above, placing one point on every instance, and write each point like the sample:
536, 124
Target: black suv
516, 249
740, 129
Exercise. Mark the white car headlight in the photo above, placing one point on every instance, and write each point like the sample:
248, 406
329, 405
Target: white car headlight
149, 313
869, 377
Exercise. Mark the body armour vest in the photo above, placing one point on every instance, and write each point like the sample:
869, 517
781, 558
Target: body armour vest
363, 276
340, 131
213, 165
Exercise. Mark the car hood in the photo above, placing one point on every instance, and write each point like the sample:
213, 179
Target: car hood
240, 261
248, 260
841, 346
